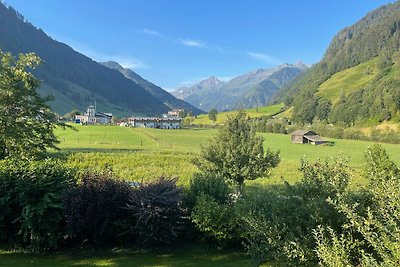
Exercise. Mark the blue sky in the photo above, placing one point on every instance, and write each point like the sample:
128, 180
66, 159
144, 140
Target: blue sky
178, 42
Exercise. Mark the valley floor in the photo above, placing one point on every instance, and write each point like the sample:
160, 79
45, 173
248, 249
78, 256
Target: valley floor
141, 154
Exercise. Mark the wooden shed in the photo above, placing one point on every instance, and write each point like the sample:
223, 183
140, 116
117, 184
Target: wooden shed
306, 137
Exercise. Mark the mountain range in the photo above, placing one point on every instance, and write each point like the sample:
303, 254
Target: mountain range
76, 80
156, 91
249, 90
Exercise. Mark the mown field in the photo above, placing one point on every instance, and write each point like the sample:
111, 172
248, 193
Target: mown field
252, 113
142, 154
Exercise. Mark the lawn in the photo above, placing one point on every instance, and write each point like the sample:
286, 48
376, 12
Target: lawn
190, 256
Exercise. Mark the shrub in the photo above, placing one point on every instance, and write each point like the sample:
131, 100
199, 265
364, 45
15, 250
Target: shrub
218, 221
372, 227
95, 206
31, 203
278, 224
155, 212
210, 185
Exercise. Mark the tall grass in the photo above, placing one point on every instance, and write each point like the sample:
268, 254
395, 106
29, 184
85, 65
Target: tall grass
141, 154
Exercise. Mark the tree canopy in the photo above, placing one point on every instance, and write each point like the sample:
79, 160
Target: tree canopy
236, 153
26, 121
212, 115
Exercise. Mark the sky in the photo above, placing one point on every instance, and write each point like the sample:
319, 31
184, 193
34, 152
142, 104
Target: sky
175, 43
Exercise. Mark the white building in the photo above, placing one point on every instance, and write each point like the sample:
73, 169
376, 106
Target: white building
156, 122
93, 117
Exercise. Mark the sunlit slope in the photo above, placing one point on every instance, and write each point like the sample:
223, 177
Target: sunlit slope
252, 113
348, 80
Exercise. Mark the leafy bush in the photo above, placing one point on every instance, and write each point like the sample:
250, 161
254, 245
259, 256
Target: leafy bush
275, 227
218, 221
372, 227
31, 203
95, 206
210, 185
278, 224
155, 212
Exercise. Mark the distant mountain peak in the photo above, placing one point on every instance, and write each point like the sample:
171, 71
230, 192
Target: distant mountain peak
301, 64
112, 64
254, 88
211, 81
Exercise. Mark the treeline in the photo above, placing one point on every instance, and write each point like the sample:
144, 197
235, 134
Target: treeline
337, 131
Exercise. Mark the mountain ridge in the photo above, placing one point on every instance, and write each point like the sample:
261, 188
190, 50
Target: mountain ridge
73, 78
244, 91
168, 99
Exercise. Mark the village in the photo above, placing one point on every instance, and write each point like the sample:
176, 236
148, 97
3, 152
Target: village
171, 120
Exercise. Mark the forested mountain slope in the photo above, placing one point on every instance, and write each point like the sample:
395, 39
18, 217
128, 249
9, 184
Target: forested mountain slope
156, 91
357, 79
74, 79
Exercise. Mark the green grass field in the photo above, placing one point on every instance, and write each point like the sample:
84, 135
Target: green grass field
143, 154
252, 113
137, 154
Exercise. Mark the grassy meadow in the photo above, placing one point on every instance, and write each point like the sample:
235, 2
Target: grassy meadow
142, 154
252, 113
349, 80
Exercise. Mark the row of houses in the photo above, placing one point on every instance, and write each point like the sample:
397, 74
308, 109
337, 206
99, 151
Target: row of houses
173, 121
167, 121
156, 122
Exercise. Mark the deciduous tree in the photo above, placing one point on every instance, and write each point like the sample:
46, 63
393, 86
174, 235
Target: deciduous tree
212, 115
236, 153
26, 121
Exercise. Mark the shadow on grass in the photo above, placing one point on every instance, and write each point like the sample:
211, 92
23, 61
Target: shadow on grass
61, 154
192, 255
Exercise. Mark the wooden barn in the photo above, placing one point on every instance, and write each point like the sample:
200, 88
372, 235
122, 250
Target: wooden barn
306, 137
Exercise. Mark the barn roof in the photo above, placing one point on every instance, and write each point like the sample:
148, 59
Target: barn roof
314, 138
302, 132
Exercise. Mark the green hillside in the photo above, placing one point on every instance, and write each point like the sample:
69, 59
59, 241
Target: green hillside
348, 81
357, 80
252, 113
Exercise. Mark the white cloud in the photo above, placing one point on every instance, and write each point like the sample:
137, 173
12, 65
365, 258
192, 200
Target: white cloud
193, 43
225, 78
130, 63
154, 33
265, 57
